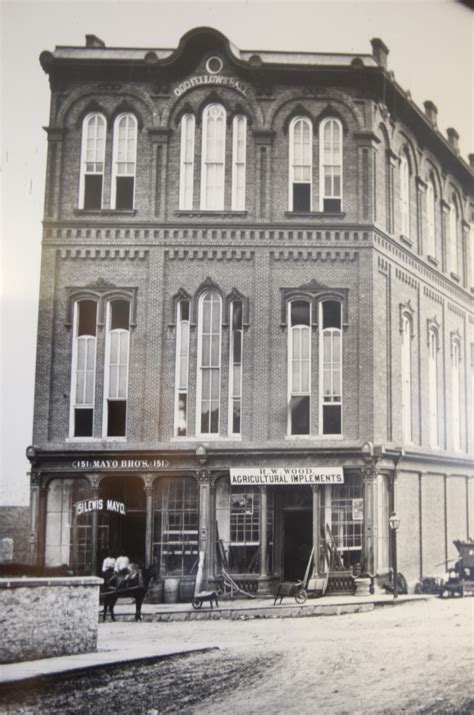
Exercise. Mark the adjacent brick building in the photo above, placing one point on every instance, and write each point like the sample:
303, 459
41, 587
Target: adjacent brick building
255, 324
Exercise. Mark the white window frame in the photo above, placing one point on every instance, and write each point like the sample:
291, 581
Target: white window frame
201, 367
452, 247
239, 156
128, 118
186, 175
333, 165
97, 155
74, 362
404, 196
430, 218
235, 391
323, 332
433, 376
181, 356
306, 165
298, 390
456, 392
107, 367
406, 379
217, 166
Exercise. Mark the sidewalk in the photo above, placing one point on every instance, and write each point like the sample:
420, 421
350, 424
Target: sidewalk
115, 647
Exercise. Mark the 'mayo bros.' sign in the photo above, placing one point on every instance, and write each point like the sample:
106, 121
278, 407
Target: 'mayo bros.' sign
87, 505
274, 476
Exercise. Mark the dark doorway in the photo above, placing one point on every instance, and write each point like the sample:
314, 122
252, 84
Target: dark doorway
123, 535
298, 541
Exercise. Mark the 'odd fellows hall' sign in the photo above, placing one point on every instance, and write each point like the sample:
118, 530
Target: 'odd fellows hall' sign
274, 476
87, 505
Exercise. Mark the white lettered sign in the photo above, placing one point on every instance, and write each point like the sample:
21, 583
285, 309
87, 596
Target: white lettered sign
274, 476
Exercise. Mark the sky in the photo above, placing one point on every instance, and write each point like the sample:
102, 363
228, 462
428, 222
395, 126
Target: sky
431, 53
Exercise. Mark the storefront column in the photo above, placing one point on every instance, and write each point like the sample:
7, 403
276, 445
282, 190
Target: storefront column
35, 517
204, 479
148, 488
370, 519
94, 480
263, 587
316, 529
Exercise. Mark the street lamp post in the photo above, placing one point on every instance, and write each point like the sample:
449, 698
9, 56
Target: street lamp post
394, 522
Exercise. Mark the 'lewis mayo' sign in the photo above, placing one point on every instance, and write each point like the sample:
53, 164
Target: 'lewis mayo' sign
87, 505
274, 476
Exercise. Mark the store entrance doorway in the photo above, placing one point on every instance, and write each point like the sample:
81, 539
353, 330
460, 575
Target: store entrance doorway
298, 541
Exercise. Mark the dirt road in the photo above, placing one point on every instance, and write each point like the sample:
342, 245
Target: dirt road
410, 659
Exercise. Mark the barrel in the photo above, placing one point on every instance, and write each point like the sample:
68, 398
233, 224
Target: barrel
170, 590
186, 588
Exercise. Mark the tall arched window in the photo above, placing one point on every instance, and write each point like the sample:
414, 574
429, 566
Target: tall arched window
124, 162
213, 158
182, 369
404, 196
209, 363
330, 363
299, 367
430, 218
116, 368
92, 162
433, 348
83, 369
456, 392
301, 164
235, 367
453, 238
330, 158
239, 154
406, 375
186, 178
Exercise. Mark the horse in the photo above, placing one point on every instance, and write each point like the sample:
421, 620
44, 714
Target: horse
128, 583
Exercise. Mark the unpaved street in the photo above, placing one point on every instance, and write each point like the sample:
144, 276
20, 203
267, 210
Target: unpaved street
415, 658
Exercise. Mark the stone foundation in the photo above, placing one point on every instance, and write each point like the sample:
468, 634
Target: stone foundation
46, 617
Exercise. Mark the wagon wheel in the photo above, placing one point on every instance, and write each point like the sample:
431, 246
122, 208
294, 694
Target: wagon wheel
197, 604
301, 595
461, 589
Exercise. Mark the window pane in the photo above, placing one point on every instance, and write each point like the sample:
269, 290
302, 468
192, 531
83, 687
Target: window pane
299, 407
331, 314
83, 419
87, 310
120, 315
331, 419
117, 413
124, 192
93, 191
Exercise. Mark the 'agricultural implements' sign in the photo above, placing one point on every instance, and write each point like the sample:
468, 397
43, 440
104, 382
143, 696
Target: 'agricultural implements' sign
87, 505
260, 476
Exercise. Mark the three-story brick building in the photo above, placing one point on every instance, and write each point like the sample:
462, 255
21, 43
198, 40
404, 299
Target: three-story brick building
255, 323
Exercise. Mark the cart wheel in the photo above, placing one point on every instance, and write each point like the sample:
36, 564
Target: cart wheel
197, 604
301, 596
441, 592
461, 590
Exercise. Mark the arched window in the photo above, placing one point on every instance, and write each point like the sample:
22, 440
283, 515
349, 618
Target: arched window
116, 368
186, 178
406, 375
433, 349
124, 162
453, 238
92, 162
209, 363
330, 378
213, 158
299, 367
404, 196
235, 367
239, 153
83, 369
456, 393
430, 218
301, 164
182, 369
330, 171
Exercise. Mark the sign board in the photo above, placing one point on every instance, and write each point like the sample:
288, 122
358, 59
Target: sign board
358, 510
117, 464
88, 505
286, 476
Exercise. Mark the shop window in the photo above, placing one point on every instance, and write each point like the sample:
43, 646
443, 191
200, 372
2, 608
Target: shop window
186, 179
404, 196
116, 368
209, 363
433, 350
92, 162
299, 367
456, 393
176, 523
68, 539
344, 514
213, 158
235, 367
330, 367
182, 369
124, 162
239, 153
83, 368
330, 157
301, 165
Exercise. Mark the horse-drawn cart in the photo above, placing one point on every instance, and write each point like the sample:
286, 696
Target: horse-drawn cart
461, 575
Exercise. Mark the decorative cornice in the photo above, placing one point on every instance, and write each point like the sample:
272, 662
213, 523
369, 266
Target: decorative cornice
93, 253
301, 254
209, 254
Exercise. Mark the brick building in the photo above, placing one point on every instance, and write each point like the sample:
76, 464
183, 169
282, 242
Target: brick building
255, 324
